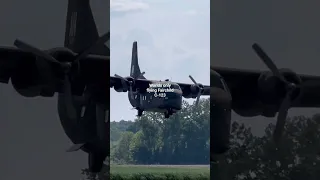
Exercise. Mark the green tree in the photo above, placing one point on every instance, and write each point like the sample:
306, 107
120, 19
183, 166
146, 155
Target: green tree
139, 150
184, 138
258, 158
181, 139
121, 152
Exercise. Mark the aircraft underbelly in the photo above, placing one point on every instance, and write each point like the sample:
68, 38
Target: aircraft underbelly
159, 104
78, 131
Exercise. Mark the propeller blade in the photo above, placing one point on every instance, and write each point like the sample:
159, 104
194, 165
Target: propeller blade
116, 75
123, 82
71, 111
131, 93
281, 119
268, 62
27, 47
198, 98
102, 116
103, 39
194, 81
140, 75
200, 89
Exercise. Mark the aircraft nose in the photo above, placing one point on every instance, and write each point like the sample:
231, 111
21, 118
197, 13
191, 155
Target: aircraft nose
177, 92
220, 98
173, 100
173, 95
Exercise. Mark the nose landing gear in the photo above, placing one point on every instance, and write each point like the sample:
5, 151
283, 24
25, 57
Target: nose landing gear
96, 162
140, 112
168, 113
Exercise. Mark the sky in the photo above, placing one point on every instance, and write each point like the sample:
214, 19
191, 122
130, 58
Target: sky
288, 33
32, 140
33, 143
173, 42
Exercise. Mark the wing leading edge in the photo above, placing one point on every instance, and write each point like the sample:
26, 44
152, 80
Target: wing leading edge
310, 96
116, 82
10, 59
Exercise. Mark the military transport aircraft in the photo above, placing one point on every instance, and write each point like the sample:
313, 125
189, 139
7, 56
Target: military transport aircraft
78, 72
253, 93
154, 95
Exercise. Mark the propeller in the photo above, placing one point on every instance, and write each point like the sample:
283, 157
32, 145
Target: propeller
124, 83
140, 75
131, 83
200, 89
103, 39
286, 103
66, 66
102, 117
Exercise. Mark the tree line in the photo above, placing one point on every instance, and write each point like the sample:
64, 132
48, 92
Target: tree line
184, 138
251, 157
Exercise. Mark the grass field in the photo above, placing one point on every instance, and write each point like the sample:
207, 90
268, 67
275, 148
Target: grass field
160, 169
160, 172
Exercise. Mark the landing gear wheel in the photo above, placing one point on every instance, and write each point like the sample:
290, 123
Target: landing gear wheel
140, 112
166, 114
95, 162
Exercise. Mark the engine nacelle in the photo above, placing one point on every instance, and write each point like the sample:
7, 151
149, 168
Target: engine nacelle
26, 80
120, 88
272, 90
249, 108
254, 108
195, 90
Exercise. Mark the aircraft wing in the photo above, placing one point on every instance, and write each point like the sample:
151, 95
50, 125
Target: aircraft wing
9, 59
186, 89
94, 68
116, 82
310, 96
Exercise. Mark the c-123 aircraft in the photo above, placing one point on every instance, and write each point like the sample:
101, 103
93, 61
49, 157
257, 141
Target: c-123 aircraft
251, 93
154, 95
78, 72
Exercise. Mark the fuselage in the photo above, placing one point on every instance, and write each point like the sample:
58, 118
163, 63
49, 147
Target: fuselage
159, 97
88, 128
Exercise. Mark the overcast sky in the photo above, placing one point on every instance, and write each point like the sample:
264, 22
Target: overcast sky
173, 43
173, 39
32, 140
287, 30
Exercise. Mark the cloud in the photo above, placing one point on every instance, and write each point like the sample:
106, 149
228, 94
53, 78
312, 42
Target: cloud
143, 37
173, 42
191, 13
178, 51
127, 5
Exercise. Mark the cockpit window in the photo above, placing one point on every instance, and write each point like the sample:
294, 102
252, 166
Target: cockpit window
217, 81
175, 86
224, 84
